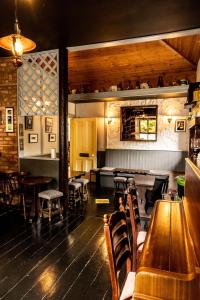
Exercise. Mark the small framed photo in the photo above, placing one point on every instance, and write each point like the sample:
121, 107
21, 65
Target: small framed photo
52, 137
21, 130
29, 122
180, 125
9, 119
48, 124
33, 138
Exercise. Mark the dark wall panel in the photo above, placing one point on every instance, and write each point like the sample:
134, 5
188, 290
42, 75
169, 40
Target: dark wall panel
146, 159
52, 24
93, 21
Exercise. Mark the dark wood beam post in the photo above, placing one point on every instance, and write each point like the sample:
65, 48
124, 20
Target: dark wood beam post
63, 123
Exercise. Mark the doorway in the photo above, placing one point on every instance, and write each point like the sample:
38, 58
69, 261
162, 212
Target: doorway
83, 144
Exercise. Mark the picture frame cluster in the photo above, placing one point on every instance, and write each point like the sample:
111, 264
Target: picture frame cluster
48, 128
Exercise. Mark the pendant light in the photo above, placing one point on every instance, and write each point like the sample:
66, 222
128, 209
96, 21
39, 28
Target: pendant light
16, 42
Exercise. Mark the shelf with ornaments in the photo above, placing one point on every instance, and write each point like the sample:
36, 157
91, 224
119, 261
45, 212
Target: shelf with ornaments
146, 93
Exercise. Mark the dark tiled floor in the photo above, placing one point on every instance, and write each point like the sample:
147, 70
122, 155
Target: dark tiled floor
66, 260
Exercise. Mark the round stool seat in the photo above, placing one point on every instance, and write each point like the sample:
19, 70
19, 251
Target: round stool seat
131, 180
50, 194
74, 185
83, 181
120, 179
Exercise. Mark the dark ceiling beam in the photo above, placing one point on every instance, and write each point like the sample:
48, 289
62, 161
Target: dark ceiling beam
176, 51
80, 22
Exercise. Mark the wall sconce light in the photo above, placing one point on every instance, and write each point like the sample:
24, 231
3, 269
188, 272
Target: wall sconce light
169, 120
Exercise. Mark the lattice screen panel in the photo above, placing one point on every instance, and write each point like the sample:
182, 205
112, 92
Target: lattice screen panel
38, 85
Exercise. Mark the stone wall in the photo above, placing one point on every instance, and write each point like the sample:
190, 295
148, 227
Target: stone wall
167, 138
8, 98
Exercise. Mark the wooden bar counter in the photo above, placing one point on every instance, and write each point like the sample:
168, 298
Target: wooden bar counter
169, 264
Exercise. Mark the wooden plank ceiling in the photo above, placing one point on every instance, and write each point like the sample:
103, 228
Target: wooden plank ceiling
174, 59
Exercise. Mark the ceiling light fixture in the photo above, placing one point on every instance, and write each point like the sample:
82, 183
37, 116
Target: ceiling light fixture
16, 42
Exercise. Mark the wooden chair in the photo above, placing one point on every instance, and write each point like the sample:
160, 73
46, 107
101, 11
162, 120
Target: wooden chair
2, 187
138, 235
16, 189
119, 254
160, 187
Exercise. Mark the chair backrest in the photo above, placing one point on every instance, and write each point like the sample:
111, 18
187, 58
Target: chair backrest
16, 183
2, 179
132, 211
160, 187
118, 248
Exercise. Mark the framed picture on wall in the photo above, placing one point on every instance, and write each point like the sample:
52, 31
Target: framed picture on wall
180, 125
52, 137
9, 119
29, 122
48, 125
33, 138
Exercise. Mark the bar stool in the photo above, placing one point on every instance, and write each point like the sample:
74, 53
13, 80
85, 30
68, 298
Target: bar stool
120, 183
84, 188
74, 192
94, 172
51, 196
131, 181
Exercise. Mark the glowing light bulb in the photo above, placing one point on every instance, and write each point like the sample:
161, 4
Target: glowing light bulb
17, 47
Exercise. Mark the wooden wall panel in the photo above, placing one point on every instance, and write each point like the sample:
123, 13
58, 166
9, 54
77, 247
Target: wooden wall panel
100, 68
189, 46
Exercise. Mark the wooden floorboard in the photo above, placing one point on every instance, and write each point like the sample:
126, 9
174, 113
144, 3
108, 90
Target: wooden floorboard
53, 267
34, 258
64, 260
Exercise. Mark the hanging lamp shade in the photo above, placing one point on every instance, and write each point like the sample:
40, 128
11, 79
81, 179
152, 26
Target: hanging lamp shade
8, 41
16, 42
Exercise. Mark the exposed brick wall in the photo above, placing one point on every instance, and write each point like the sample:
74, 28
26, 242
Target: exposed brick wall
8, 98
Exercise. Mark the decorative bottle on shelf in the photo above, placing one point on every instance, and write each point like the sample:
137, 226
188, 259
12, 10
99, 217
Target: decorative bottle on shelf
137, 84
160, 82
120, 86
129, 86
149, 84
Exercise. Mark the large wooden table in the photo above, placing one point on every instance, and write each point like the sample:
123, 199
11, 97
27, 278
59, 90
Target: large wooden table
149, 174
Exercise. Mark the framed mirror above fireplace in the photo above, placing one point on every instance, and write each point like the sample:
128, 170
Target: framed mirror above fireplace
138, 123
